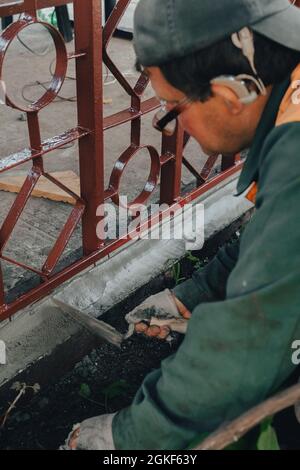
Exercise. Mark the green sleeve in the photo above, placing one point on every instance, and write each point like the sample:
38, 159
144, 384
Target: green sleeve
237, 351
209, 283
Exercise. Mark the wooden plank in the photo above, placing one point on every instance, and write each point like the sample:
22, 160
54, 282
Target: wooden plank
44, 187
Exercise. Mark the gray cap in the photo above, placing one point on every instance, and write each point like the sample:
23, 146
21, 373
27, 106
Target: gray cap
169, 29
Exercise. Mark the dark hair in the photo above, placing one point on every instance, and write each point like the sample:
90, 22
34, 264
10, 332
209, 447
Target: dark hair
192, 74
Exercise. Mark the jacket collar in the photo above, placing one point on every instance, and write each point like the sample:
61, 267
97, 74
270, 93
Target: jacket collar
251, 166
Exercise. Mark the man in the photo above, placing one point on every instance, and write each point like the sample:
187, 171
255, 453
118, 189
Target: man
229, 71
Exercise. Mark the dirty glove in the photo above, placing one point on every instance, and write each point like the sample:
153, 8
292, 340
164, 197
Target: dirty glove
158, 315
92, 434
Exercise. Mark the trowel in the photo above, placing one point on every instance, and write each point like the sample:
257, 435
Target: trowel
97, 327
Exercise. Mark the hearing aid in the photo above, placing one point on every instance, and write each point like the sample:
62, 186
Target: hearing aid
243, 40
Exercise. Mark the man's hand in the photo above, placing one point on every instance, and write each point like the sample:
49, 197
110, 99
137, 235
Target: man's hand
182, 309
162, 331
158, 315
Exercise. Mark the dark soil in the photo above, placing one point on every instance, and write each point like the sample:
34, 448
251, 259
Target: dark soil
103, 382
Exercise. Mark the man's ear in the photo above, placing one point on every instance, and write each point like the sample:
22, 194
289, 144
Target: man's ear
229, 97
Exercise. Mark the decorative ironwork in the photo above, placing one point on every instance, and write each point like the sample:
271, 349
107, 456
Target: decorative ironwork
91, 43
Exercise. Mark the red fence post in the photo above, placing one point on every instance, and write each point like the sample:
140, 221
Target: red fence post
170, 186
228, 162
88, 39
2, 296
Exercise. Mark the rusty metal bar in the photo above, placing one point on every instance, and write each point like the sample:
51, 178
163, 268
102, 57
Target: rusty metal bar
17, 207
170, 187
90, 115
63, 187
30, 7
2, 293
227, 162
63, 238
54, 143
34, 132
193, 171
206, 170
208, 167
24, 266
129, 114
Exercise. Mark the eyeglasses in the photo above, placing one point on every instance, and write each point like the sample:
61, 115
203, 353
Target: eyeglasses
165, 121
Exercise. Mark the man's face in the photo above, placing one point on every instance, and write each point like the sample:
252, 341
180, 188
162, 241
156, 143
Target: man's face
221, 125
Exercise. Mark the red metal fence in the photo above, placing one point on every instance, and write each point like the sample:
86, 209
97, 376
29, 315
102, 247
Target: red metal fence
91, 43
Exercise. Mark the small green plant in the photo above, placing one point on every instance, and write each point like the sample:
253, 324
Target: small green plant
85, 391
268, 438
176, 273
194, 260
21, 388
114, 390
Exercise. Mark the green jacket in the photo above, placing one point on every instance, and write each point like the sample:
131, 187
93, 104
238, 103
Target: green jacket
246, 310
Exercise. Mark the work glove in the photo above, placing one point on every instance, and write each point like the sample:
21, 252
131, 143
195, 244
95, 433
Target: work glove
158, 316
92, 434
